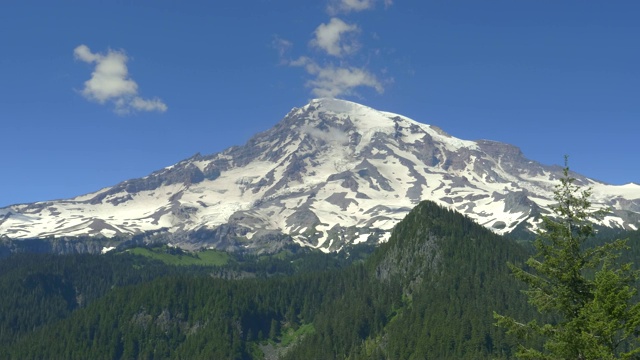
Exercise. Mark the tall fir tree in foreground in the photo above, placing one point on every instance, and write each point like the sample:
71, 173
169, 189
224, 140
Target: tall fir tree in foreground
588, 296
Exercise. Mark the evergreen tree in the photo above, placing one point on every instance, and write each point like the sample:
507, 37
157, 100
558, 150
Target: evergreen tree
585, 291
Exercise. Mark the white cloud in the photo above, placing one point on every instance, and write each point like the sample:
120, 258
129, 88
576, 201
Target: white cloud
110, 82
330, 37
346, 6
140, 104
83, 53
336, 75
333, 81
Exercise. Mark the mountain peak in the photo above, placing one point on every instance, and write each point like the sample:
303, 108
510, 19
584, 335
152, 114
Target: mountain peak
368, 120
330, 174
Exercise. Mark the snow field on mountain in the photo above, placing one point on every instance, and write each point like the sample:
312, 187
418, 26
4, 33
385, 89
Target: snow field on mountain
380, 164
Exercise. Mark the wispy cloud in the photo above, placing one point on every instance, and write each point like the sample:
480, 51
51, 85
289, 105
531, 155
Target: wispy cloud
282, 46
334, 38
334, 81
332, 71
346, 6
110, 82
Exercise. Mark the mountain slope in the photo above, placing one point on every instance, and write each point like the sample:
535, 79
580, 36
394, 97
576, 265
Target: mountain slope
329, 174
451, 274
347, 313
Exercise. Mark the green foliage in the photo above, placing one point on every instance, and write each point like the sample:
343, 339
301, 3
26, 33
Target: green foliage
293, 335
588, 294
427, 293
40, 289
184, 313
175, 256
463, 275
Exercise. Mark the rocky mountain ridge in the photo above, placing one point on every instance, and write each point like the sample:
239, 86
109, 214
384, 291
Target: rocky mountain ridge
330, 174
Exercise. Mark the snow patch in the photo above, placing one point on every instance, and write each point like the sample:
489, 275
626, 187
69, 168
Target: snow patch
107, 249
361, 239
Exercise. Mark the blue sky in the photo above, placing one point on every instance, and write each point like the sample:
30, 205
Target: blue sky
94, 93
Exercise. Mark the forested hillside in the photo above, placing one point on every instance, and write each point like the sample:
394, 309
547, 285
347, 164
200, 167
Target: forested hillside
445, 275
428, 293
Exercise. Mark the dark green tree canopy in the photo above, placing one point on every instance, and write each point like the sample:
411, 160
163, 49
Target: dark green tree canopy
586, 292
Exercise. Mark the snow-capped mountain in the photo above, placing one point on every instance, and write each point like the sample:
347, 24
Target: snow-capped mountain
330, 173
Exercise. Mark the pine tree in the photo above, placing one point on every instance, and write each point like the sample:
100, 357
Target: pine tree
583, 288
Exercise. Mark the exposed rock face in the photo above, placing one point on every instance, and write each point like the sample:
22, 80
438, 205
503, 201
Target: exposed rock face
329, 174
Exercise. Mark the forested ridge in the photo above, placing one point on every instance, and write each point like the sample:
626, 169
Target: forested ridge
428, 293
